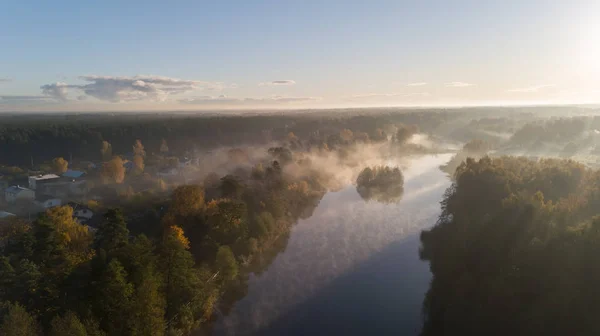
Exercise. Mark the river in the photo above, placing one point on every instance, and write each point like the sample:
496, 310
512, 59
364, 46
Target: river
352, 268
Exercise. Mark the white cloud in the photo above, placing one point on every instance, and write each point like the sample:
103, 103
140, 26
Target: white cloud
286, 82
222, 99
4, 79
121, 88
458, 84
417, 84
379, 95
58, 90
535, 88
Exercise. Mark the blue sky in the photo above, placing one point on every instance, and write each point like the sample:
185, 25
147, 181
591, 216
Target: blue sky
129, 55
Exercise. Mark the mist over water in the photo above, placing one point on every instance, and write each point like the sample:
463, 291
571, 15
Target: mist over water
343, 232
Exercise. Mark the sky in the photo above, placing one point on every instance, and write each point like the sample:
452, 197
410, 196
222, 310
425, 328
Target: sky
198, 55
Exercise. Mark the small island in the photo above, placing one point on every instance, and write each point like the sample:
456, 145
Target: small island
380, 183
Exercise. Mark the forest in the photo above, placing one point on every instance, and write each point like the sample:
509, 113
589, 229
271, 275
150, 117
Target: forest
514, 250
167, 253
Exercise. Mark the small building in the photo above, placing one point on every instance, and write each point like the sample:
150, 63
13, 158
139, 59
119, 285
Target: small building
4, 214
17, 193
47, 201
81, 212
73, 174
37, 181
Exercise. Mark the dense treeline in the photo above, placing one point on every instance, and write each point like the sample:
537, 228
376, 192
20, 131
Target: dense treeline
43, 137
514, 251
60, 278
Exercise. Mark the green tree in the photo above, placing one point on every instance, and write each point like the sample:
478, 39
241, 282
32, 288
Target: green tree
231, 187
226, 264
28, 282
113, 299
92, 327
404, 133
18, 322
139, 258
7, 278
180, 278
67, 324
148, 307
113, 233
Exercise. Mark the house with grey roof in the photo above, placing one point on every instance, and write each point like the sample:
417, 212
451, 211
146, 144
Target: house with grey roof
16, 193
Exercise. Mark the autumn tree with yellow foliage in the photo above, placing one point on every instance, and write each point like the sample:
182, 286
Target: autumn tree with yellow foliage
59, 165
113, 171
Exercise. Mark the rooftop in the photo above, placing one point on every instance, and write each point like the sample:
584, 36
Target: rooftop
15, 189
78, 206
73, 173
44, 177
4, 214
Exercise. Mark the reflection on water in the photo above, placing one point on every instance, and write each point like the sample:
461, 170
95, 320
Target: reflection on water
343, 233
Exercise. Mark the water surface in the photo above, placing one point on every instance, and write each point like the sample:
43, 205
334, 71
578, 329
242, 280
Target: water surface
352, 268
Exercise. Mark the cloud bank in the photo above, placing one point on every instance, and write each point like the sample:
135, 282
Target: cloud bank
286, 82
417, 84
458, 84
122, 89
5, 79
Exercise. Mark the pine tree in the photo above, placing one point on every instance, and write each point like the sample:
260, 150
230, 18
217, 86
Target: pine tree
226, 264
113, 233
18, 322
67, 324
113, 299
148, 308
138, 257
7, 278
180, 278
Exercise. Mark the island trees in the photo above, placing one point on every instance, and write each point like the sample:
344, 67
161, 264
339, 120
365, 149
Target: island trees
380, 183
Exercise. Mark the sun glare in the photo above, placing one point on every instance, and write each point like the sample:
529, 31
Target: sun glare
588, 53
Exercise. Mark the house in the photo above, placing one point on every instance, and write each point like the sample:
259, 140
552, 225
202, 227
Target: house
39, 180
47, 201
73, 174
17, 193
4, 214
81, 212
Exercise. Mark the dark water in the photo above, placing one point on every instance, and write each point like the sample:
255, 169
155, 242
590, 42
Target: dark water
352, 268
